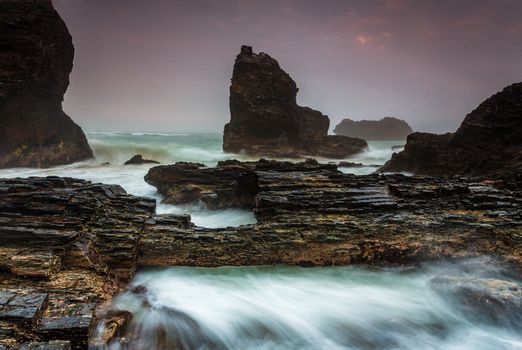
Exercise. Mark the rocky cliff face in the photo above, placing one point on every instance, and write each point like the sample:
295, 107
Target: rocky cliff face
388, 128
488, 142
36, 57
265, 117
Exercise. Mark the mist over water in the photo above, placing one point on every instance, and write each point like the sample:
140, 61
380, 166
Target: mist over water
314, 308
112, 150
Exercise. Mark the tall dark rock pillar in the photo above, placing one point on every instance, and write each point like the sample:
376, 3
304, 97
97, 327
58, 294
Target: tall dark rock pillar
36, 58
265, 119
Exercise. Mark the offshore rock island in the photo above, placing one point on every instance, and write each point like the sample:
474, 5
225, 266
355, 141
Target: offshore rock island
387, 128
265, 119
36, 57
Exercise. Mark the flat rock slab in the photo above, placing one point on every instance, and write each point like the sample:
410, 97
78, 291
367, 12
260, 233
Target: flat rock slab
24, 308
68, 321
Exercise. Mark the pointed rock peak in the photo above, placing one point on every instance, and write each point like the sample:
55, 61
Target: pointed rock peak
246, 50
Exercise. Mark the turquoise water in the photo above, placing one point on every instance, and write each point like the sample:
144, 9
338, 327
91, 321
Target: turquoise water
112, 150
312, 308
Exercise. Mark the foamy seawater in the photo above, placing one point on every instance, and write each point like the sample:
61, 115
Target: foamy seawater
287, 308
112, 150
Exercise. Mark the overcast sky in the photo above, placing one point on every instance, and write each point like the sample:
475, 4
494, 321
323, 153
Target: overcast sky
165, 65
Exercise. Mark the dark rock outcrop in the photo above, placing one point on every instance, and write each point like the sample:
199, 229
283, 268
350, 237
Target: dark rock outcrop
138, 159
488, 143
232, 184
388, 128
266, 120
36, 57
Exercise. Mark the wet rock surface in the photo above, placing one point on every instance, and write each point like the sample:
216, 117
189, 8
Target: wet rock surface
388, 128
266, 120
36, 57
312, 214
67, 245
483, 294
488, 143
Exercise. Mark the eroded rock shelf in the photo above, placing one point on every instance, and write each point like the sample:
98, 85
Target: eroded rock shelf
67, 245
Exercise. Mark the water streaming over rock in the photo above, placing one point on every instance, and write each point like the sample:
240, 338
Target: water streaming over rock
442, 306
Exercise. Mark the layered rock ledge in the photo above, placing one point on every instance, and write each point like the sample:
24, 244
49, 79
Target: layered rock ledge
67, 245
487, 143
265, 119
36, 57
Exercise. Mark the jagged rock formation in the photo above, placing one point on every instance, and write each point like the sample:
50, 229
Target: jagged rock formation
388, 128
68, 245
266, 120
488, 142
36, 57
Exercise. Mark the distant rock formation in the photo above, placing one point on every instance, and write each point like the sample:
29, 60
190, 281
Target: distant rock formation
488, 142
138, 159
266, 120
388, 128
36, 57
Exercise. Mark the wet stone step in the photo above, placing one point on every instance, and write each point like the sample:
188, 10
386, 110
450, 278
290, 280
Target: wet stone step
24, 308
68, 321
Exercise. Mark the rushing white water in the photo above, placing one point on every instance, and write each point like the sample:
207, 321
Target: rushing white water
310, 308
112, 150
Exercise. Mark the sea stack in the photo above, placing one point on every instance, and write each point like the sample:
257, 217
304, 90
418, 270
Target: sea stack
388, 128
487, 143
266, 120
36, 57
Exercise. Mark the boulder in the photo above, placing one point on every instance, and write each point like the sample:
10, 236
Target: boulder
266, 120
138, 159
388, 128
488, 143
36, 57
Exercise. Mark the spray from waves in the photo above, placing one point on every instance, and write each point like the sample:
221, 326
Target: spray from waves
377, 153
117, 148
314, 308
201, 216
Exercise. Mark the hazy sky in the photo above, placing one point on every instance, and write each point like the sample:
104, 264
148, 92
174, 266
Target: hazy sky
165, 65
